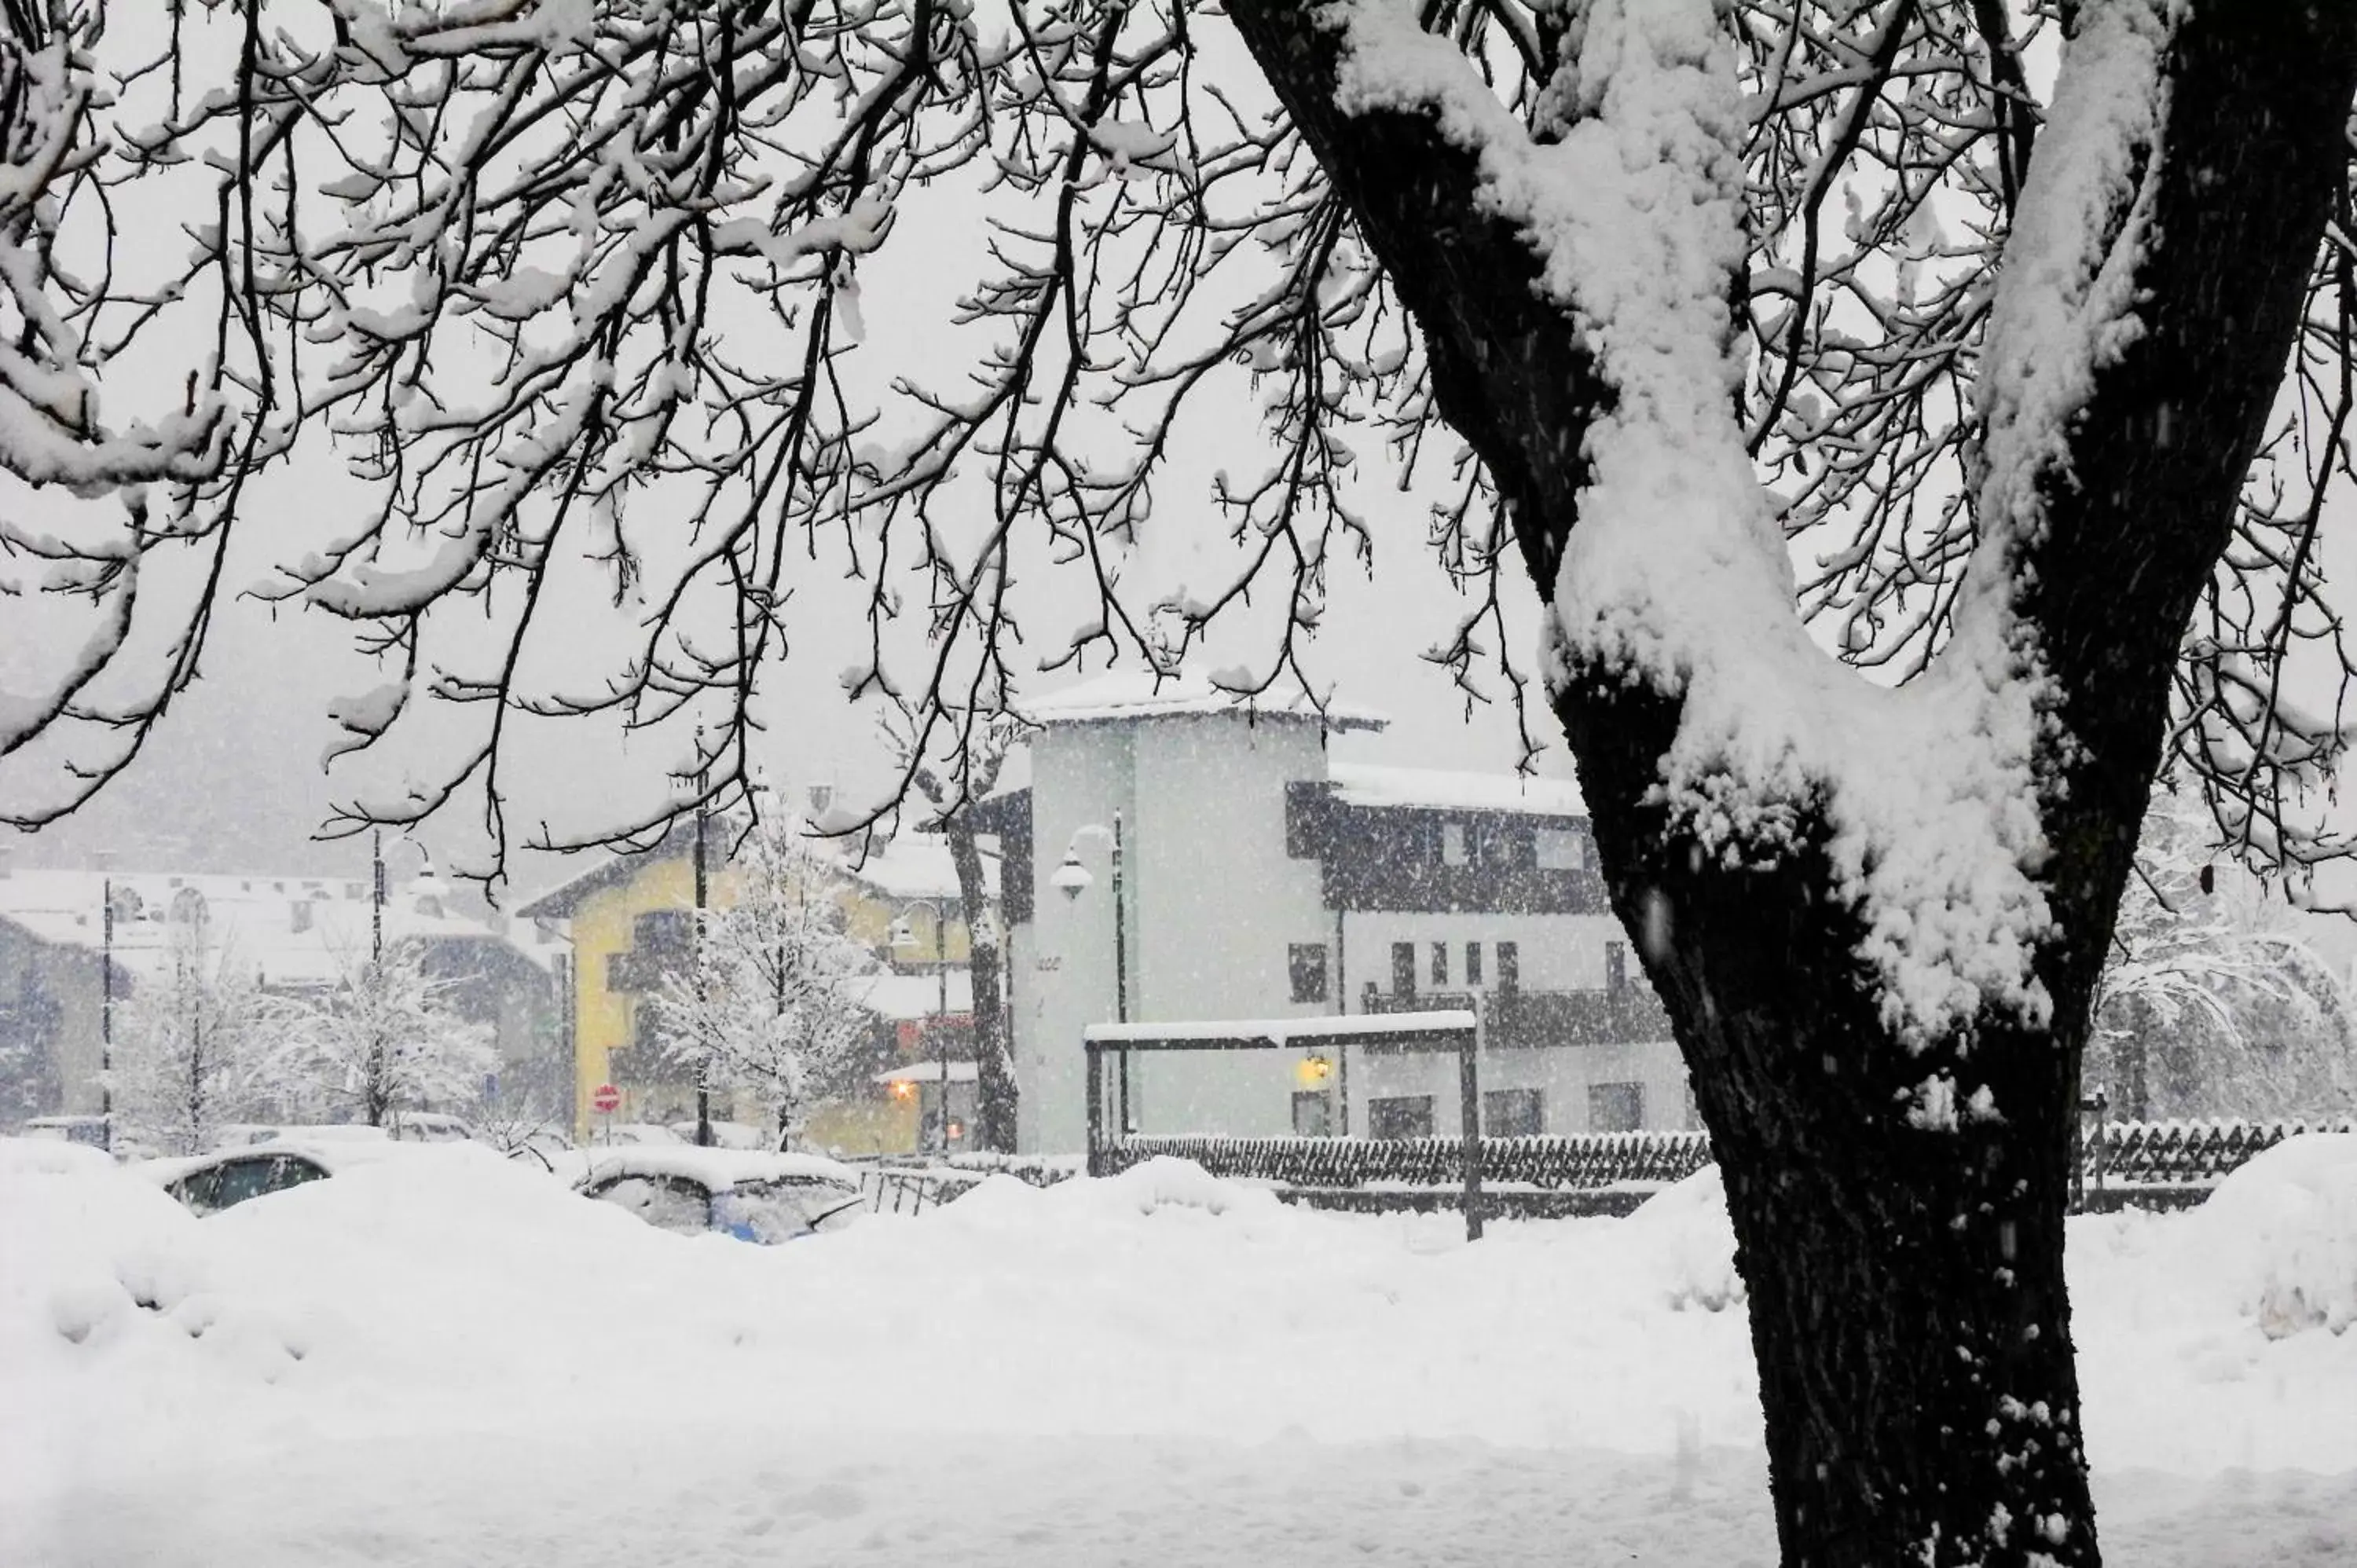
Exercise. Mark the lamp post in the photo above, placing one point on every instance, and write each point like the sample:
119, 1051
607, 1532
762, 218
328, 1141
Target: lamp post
904, 941
1072, 879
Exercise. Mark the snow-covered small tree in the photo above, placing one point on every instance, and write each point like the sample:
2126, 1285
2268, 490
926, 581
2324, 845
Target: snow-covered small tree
2212, 1003
775, 991
385, 1039
197, 1049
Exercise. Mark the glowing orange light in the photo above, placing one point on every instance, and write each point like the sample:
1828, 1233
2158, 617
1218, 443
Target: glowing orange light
1313, 1071
904, 1090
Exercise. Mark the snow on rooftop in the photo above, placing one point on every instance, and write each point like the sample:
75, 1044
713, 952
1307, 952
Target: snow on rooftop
914, 865
1363, 784
294, 930
1142, 694
907, 997
929, 1072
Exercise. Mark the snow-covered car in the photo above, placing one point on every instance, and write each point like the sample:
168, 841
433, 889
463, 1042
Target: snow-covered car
728, 1135
209, 1183
635, 1134
751, 1195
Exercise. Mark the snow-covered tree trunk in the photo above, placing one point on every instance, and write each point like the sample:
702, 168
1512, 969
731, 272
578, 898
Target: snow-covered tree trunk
1875, 918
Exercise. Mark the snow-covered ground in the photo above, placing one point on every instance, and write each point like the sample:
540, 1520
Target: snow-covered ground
449, 1360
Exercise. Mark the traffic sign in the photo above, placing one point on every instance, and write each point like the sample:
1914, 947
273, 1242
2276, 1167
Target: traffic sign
606, 1098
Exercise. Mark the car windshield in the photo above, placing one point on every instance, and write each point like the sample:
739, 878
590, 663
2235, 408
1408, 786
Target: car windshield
668, 1203
774, 1211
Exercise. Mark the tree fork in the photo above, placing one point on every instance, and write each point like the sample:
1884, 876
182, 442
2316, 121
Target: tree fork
1908, 1308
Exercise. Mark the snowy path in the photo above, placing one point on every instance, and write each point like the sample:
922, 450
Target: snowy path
718, 1498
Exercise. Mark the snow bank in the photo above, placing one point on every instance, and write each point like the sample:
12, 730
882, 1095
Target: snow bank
401, 1302
2280, 1235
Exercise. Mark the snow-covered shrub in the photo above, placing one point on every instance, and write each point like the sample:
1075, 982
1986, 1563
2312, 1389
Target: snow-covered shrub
2282, 1233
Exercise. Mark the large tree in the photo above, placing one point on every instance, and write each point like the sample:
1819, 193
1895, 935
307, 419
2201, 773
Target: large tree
1873, 419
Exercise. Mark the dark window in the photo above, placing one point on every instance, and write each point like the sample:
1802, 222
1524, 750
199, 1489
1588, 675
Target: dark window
1313, 1113
1513, 1113
1509, 965
1501, 844
1408, 1116
1616, 965
1307, 963
1403, 969
1440, 964
665, 934
1616, 1107
1473, 963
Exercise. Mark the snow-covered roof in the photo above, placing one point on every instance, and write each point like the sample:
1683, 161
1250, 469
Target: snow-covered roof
1124, 694
718, 1170
929, 1072
903, 997
1363, 784
292, 930
914, 865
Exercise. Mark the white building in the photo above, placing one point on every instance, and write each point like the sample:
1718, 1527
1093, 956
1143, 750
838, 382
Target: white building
1262, 880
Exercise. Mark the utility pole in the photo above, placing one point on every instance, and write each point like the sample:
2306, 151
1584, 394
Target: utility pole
372, 1088
1121, 973
695, 956
941, 1018
106, 1019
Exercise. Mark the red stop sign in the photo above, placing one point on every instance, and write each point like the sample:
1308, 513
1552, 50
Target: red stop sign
606, 1098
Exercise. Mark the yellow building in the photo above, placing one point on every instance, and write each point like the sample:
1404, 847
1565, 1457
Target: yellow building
630, 921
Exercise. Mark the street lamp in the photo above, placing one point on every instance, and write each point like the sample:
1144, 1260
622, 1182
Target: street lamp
904, 942
1072, 879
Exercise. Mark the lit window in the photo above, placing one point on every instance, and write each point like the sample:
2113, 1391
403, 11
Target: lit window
1452, 843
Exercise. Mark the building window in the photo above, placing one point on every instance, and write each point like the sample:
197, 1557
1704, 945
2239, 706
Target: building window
1509, 965
1403, 969
1501, 844
1408, 1116
1616, 1107
1473, 963
1616, 965
1313, 1113
1562, 849
1452, 843
1513, 1113
1307, 963
1440, 964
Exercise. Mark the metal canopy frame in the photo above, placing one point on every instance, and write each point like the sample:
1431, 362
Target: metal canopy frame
1457, 1030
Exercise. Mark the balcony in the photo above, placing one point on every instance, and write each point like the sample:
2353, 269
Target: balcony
1516, 1019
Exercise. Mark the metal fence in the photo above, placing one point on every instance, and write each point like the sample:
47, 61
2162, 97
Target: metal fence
2182, 1153
2168, 1163
1582, 1161
911, 1186
2124, 1155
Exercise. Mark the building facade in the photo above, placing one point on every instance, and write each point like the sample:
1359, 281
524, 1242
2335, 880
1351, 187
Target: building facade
1261, 880
630, 922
